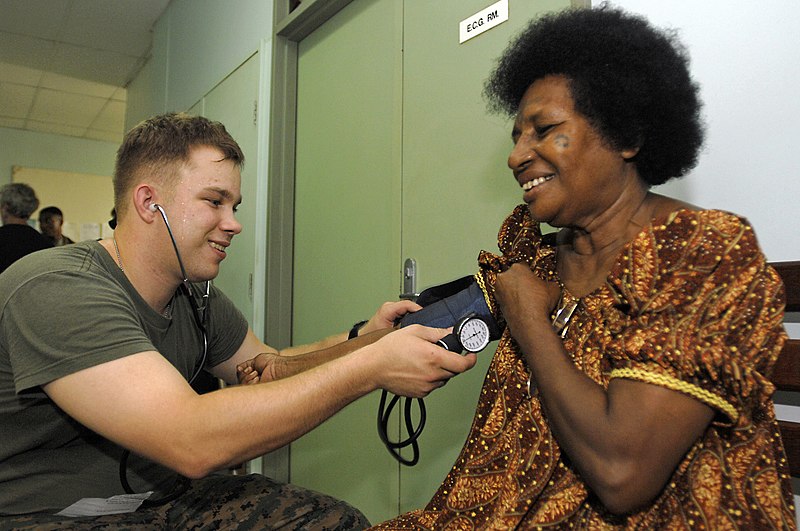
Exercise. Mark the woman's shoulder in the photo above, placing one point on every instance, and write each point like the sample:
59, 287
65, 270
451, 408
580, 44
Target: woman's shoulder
671, 213
698, 227
694, 241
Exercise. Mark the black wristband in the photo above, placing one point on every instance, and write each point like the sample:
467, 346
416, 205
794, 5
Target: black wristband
354, 331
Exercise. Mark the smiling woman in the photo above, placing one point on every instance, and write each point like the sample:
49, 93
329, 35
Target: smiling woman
630, 389
558, 154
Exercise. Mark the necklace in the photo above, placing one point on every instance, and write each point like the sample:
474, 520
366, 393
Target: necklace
561, 316
119, 258
168, 309
565, 309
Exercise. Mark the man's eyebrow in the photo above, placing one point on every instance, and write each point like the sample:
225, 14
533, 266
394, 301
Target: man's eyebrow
227, 194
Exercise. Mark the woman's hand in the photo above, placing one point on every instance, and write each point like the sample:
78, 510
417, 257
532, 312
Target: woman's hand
251, 371
519, 292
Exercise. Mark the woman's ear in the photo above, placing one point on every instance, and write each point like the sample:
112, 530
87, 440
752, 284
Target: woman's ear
629, 153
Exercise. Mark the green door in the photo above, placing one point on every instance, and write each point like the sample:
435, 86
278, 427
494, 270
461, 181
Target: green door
396, 158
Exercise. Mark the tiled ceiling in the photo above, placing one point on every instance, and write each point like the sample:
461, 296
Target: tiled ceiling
65, 64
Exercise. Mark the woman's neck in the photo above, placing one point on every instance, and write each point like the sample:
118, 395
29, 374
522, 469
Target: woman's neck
585, 257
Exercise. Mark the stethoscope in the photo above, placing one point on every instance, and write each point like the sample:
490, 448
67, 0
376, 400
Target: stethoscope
200, 313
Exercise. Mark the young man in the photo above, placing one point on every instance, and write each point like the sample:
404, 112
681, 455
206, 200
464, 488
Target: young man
112, 373
51, 223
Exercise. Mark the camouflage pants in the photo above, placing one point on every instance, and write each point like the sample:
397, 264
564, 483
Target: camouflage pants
218, 502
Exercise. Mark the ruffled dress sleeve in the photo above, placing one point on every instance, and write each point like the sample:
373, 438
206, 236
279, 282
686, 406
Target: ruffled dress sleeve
519, 241
696, 308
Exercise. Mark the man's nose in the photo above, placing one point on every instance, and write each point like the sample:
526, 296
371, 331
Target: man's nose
231, 224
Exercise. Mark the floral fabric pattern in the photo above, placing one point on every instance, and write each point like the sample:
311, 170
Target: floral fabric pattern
691, 305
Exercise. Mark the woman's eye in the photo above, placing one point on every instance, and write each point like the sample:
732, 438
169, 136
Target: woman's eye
543, 130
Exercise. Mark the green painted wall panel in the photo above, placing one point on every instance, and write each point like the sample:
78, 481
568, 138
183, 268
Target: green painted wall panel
233, 102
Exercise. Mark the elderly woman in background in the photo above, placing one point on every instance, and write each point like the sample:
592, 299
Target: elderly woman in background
17, 239
631, 386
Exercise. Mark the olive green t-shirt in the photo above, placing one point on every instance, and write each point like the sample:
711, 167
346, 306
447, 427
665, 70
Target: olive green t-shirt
63, 310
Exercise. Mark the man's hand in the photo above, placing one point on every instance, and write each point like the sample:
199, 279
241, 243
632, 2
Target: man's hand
410, 363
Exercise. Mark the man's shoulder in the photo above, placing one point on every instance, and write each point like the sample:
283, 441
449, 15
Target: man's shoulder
16, 229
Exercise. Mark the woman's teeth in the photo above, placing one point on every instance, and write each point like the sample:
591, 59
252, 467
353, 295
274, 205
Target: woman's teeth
536, 182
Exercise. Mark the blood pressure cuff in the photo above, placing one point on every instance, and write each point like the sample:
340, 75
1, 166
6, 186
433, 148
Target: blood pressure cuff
444, 305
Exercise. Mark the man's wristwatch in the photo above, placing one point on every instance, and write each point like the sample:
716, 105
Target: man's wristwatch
356, 327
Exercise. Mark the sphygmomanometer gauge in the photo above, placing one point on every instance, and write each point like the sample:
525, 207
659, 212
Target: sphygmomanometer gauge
472, 333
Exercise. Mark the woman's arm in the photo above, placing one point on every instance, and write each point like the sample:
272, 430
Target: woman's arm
255, 356
625, 441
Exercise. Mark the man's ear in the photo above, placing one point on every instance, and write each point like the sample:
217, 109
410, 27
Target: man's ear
144, 195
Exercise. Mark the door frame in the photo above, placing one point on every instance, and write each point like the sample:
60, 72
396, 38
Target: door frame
288, 30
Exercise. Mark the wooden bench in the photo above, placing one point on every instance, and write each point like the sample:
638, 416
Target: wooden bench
786, 375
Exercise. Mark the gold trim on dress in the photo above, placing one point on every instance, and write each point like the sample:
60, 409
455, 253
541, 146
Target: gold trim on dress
482, 285
679, 385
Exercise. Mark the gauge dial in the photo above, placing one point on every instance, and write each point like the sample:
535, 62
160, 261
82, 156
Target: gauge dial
473, 333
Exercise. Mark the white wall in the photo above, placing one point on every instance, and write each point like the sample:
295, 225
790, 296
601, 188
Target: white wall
56, 152
746, 57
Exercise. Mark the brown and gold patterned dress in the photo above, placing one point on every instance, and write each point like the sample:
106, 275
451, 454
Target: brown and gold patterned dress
691, 305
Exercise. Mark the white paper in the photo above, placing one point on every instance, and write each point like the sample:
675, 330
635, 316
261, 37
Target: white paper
89, 231
124, 503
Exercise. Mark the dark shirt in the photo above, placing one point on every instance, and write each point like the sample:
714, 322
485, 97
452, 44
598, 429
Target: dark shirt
63, 240
18, 240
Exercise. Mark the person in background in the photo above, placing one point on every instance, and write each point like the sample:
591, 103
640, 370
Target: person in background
95, 394
17, 239
51, 221
631, 388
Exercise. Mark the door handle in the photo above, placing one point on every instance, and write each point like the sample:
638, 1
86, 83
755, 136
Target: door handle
409, 280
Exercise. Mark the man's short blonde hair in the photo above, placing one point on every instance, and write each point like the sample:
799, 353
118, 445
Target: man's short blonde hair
158, 147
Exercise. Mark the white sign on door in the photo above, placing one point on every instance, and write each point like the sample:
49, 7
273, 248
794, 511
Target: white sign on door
483, 20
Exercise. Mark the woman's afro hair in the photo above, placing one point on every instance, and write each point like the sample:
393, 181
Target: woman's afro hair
630, 80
